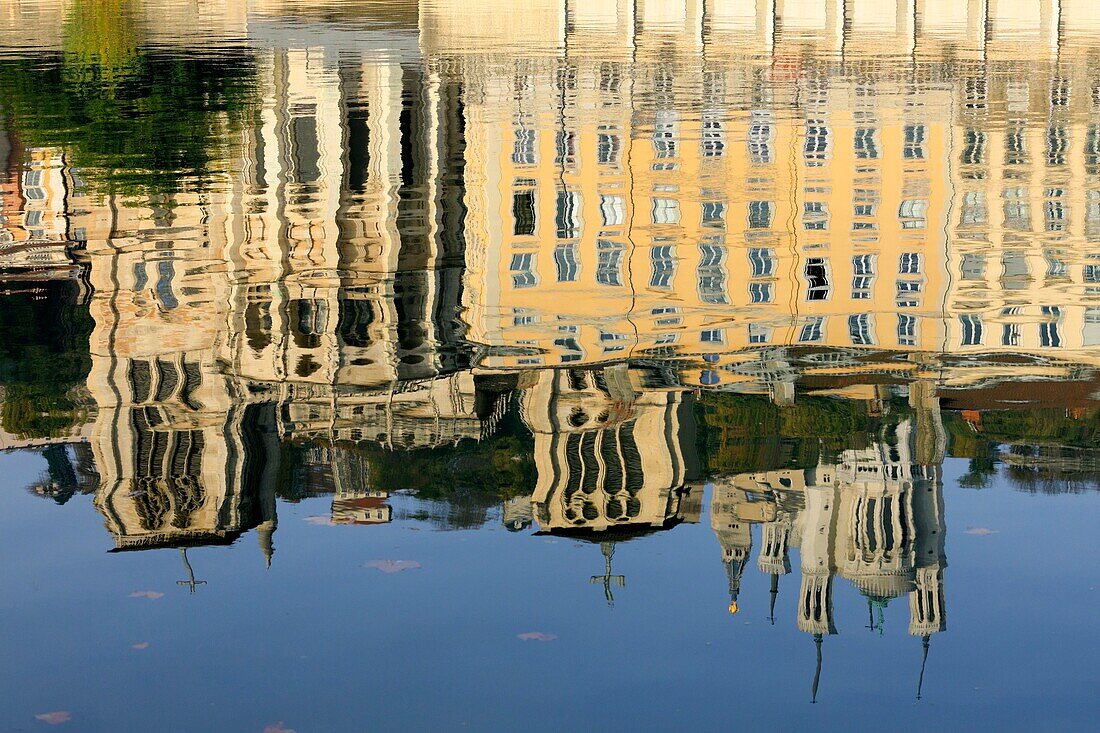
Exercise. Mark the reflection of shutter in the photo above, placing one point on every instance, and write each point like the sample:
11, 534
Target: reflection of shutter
192, 381
168, 380
632, 458
609, 451
140, 380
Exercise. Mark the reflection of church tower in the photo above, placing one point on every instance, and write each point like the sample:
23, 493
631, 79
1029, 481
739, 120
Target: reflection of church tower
815, 600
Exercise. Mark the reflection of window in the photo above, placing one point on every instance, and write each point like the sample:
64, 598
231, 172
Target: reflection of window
608, 148
568, 217
712, 274
816, 148
663, 266
863, 265
523, 149
1015, 144
815, 215
1010, 334
1049, 335
759, 333
713, 143
761, 261
812, 329
1091, 332
713, 336
1054, 211
912, 213
865, 146
907, 330
523, 270
1017, 209
609, 258
817, 277
759, 139
664, 139
523, 212
565, 259
859, 329
666, 211
760, 292
165, 273
612, 210
1057, 144
141, 279
973, 266
565, 148
1056, 267
760, 214
973, 208
714, 214
973, 152
909, 263
972, 331
913, 147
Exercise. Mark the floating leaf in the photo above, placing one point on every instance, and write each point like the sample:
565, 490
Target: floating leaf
57, 717
536, 636
980, 531
140, 645
393, 566
152, 595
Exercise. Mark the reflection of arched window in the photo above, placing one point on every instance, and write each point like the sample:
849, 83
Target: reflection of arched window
257, 324
354, 322
165, 272
308, 319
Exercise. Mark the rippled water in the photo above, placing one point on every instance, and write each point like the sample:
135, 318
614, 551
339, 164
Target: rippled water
495, 366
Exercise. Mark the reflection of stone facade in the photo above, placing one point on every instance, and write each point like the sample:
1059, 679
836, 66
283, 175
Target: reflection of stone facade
610, 455
875, 519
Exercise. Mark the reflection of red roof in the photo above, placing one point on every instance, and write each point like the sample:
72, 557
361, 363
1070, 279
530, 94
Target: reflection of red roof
365, 502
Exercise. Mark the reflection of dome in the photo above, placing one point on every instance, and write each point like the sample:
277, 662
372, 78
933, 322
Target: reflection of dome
517, 525
883, 587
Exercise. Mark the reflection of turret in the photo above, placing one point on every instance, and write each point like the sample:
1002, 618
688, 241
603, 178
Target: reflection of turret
518, 513
609, 455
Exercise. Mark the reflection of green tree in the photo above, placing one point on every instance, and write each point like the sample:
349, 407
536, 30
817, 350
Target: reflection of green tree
135, 121
750, 433
43, 357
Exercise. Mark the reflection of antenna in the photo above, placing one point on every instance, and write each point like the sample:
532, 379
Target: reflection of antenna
608, 550
190, 582
923, 661
817, 670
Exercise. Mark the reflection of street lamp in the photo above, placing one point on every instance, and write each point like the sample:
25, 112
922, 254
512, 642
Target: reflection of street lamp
608, 550
923, 662
190, 582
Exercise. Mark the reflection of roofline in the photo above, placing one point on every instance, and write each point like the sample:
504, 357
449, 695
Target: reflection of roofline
169, 540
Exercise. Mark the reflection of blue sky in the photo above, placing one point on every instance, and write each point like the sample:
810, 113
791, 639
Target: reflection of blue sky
323, 643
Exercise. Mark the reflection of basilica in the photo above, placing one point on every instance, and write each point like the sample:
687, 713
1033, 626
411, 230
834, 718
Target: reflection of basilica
874, 518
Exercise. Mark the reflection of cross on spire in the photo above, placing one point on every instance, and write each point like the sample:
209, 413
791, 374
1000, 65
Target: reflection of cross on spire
817, 669
608, 550
190, 582
923, 662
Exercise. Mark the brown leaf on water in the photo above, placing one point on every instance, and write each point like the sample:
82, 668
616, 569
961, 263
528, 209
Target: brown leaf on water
980, 531
393, 566
57, 717
277, 728
152, 595
140, 645
536, 636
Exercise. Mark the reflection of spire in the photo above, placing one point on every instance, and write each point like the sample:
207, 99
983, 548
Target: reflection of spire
608, 550
264, 534
774, 593
924, 660
874, 623
190, 582
817, 669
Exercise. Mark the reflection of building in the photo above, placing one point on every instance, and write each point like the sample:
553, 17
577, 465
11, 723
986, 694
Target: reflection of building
875, 519
610, 455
